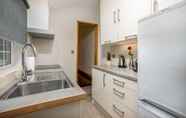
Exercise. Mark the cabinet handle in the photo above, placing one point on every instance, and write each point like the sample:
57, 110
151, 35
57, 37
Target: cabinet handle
107, 42
118, 15
120, 113
114, 17
155, 6
104, 84
119, 83
131, 37
118, 93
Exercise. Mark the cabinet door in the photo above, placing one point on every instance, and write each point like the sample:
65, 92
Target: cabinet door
102, 90
122, 12
162, 4
104, 25
145, 8
97, 85
108, 21
130, 11
107, 93
129, 18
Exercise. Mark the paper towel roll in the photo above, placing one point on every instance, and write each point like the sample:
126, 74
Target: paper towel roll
30, 63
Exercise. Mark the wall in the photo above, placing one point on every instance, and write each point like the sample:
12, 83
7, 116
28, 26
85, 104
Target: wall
86, 49
63, 22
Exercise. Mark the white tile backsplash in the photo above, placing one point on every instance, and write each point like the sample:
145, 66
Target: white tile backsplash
120, 49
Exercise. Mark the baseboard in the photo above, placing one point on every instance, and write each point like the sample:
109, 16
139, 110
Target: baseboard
100, 109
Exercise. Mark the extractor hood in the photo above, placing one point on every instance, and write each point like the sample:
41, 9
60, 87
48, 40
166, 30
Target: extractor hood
36, 33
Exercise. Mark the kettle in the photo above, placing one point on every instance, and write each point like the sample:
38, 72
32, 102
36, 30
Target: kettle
122, 63
135, 67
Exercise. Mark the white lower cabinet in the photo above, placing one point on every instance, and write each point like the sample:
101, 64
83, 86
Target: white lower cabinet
125, 97
101, 87
97, 85
121, 111
117, 96
106, 99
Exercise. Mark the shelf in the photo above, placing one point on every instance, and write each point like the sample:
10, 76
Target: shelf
40, 34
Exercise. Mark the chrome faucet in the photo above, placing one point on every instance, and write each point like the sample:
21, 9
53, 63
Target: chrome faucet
26, 72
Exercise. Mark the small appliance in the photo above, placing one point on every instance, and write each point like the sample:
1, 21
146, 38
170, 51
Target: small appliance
122, 63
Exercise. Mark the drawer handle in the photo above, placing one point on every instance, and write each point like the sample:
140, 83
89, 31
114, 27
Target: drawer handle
120, 113
114, 17
118, 93
119, 83
104, 84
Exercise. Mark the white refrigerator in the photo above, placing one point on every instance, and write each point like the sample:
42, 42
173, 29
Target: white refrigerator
162, 64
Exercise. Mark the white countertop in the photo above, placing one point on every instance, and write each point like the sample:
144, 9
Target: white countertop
15, 104
25, 101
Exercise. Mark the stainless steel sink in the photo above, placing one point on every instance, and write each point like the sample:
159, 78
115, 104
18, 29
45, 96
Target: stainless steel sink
38, 86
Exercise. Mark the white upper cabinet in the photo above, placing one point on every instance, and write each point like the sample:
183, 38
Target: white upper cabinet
38, 14
133, 10
108, 21
162, 4
119, 18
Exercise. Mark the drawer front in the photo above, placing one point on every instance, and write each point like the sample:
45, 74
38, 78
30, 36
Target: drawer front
120, 111
124, 83
125, 97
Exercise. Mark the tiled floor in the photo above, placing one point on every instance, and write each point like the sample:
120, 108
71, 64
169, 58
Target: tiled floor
88, 110
82, 109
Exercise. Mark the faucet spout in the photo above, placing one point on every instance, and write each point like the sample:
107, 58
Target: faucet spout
25, 71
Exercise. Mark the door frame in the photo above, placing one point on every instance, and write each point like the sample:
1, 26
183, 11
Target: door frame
96, 43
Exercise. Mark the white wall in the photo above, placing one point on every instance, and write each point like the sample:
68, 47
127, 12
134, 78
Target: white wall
63, 20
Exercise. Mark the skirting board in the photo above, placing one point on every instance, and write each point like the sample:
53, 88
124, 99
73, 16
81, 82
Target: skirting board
100, 109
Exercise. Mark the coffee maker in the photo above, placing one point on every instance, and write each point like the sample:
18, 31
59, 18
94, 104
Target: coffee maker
122, 62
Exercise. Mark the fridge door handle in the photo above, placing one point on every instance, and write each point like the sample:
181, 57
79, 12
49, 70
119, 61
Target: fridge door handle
163, 108
104, 84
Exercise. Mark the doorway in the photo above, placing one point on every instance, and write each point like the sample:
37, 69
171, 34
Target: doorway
87, 51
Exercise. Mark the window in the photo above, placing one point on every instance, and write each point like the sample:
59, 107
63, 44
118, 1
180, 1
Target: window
5, 52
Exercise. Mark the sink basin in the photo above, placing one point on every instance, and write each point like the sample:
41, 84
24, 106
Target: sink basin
39, 86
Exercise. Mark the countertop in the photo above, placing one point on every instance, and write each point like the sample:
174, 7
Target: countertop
31, 103
35, 102
124, 73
